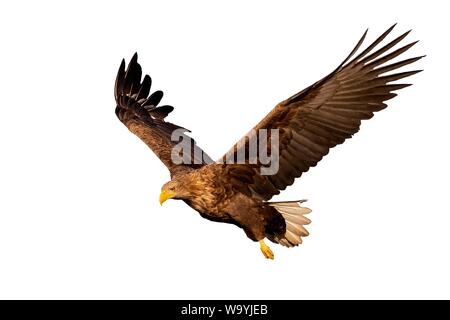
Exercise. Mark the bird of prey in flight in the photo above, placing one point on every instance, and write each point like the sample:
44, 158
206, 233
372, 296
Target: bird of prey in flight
306, 125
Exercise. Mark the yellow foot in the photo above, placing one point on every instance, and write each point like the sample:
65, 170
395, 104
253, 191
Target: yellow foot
266, 250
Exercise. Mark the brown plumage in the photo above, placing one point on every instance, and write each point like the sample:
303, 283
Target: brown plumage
309, 123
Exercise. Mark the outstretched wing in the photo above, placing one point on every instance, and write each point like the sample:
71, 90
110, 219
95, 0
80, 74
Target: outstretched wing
327, 113
140, 113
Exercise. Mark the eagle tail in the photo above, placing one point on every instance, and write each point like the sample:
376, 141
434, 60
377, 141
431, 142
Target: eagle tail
294, 215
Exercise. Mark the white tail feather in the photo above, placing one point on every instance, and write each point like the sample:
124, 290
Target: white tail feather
294, 215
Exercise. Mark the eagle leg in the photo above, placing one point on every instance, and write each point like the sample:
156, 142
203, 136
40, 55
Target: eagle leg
267, 252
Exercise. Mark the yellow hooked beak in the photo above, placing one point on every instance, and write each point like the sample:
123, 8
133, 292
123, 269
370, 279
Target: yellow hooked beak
165, 195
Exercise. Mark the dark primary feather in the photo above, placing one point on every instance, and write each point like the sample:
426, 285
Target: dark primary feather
140, 112
329, 112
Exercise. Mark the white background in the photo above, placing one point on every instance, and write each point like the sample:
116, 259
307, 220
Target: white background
79, 211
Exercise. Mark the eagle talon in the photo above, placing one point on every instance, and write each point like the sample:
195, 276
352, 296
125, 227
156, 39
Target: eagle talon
267, 252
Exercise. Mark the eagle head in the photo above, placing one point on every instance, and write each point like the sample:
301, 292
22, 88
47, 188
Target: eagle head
174, 189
